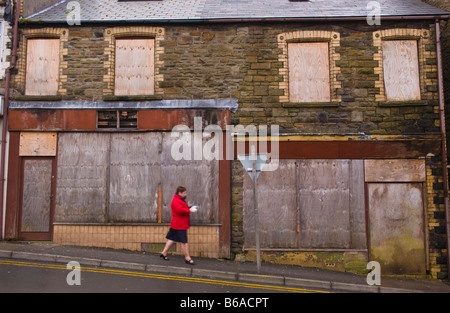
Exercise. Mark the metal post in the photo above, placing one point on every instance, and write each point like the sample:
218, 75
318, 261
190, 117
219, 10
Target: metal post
255, 208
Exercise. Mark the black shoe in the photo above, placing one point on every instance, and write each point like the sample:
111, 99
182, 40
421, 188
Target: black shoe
190, 262
164, 257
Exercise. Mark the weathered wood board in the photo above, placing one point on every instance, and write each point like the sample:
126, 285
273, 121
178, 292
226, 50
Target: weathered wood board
38, 144
82, 188
401, 70
277, 203
394, 170
134, 71
396, 215
134, 177
309, 72
42, 72
36, 195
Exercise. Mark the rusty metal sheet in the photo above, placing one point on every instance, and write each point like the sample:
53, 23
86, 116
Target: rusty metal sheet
396, 215
134, 177
277, 208
82, 189
36, 195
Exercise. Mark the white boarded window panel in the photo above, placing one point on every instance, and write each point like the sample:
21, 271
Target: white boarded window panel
42, 67
401, 70
309, 72
134, 73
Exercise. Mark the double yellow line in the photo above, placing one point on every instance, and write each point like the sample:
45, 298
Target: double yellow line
165, 277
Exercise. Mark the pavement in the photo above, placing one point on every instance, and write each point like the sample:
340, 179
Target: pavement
218, 269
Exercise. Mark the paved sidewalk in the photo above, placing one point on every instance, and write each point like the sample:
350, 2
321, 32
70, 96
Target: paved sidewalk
283, 275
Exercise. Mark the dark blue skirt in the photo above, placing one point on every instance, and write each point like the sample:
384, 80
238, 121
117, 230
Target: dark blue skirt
177, 235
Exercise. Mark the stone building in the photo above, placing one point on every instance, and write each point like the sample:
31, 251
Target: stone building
352, 106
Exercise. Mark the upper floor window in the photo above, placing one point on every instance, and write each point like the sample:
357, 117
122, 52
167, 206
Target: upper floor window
309, 69
401, 70
309, 72
42, 68
134, 67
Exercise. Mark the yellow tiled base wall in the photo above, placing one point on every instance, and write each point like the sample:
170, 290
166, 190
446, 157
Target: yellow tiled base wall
203, 240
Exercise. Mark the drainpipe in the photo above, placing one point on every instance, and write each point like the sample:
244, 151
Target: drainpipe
444, 139
5, 113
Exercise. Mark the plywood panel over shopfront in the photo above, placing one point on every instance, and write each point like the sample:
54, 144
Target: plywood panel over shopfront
129, 177
312, 204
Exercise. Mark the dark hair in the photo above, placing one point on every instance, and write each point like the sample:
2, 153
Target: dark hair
180, 189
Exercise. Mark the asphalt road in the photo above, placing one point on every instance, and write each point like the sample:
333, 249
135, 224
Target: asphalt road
33, 277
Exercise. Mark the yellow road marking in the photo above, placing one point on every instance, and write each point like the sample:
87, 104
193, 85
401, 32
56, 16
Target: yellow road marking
166, 277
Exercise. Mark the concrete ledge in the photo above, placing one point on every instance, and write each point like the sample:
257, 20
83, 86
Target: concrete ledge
33, 256
82, 261
168, 269
214, 274
5, 254
123, 265
306, 283
262, 279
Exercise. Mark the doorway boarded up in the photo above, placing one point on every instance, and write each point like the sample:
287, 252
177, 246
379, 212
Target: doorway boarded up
396, 215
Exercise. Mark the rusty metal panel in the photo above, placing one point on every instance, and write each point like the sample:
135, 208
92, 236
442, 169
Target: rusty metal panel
200, 177
395, 170
358, 230
36, 198
277, 208
82, 189
37, 144
396, 215
134, 177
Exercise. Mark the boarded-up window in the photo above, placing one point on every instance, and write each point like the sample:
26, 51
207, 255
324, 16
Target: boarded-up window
134, 73
309, 72
42, 67
401, 70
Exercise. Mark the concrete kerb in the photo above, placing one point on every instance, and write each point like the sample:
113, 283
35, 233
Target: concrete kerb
212, 274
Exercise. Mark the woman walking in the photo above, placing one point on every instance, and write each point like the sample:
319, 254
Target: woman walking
179, 225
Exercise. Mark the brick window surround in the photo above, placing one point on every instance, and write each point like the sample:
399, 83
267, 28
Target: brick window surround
423, 39
43, 33
333, 39
157, 33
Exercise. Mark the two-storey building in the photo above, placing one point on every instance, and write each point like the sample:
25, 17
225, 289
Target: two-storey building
349, 93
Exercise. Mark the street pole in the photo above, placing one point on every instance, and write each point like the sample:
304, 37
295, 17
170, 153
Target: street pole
255, 208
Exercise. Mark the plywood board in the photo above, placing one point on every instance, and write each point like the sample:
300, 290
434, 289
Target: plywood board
38, 144
401, 70
42, 72
37, 179
277, 208
83, 168
134, 71
394, 170
134, 177
309, 72
200, 177
396, 216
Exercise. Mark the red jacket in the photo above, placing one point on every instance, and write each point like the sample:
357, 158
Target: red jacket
180, 213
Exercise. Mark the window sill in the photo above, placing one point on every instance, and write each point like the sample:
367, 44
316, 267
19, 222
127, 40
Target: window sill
37, 98
310, 104
133, 98
405, 103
